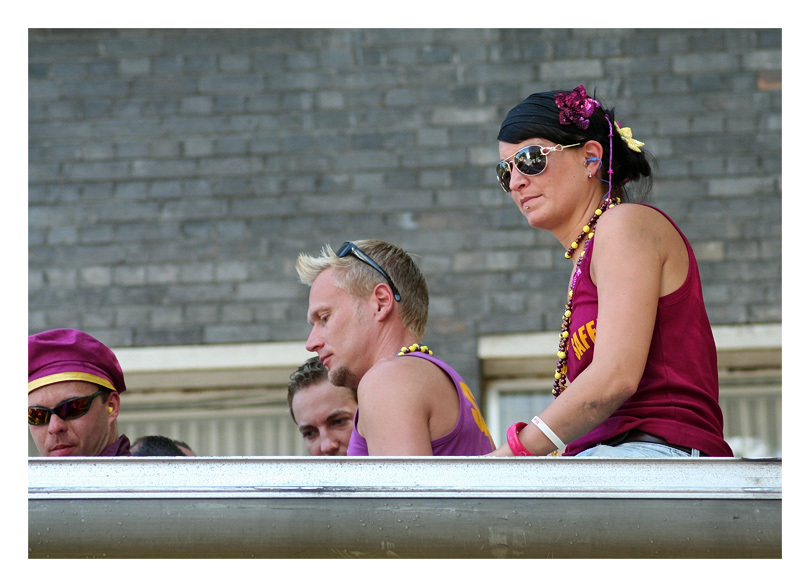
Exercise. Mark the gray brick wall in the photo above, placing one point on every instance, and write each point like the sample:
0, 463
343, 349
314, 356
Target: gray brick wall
174, 175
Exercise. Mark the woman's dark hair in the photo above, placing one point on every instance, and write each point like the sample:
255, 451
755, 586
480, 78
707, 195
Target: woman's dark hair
538, 117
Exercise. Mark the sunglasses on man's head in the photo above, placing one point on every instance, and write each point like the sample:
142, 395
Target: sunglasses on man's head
529, 160
67, 410
349, 248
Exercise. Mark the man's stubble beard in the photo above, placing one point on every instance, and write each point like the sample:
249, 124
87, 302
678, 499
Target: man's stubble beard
342, 377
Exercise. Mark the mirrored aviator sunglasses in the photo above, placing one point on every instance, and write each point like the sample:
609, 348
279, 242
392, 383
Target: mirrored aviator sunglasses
70, 409
530, 161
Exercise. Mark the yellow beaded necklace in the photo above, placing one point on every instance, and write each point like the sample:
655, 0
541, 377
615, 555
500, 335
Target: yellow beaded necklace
587, 233
414, 348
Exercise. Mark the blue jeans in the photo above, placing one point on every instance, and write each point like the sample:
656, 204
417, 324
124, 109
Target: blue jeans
635, 449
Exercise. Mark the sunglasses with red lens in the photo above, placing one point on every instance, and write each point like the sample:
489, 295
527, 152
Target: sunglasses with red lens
67, 410
529, 160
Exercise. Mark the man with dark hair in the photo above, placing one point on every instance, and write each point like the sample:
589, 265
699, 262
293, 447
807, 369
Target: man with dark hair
156, 446
184, 448
322, 411
74, 387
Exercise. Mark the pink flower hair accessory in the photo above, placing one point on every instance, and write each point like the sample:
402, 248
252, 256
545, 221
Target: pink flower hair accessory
576, 107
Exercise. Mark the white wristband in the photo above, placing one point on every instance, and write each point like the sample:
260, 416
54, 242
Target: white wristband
548, 432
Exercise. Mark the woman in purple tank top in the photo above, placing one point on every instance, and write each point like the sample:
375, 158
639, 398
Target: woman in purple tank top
648, 385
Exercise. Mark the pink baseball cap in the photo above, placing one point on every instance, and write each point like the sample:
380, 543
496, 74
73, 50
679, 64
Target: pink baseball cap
63, 355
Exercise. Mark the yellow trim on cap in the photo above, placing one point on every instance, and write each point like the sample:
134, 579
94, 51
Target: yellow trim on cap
69, 377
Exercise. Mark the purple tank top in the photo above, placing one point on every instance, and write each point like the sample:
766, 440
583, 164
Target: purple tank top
470, 435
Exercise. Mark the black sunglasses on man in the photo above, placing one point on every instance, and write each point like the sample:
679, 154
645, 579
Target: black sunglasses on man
67, 410
349, 248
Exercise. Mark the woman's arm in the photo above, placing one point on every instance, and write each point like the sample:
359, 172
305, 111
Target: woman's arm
630, 249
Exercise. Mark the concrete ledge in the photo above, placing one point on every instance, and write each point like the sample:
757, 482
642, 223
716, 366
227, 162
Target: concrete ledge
727, 338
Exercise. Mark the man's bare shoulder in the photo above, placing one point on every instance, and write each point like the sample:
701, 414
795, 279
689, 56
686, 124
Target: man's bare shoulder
408, 375
412, 391
407, 368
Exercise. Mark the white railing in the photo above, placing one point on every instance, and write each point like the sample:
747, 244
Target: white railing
414, 508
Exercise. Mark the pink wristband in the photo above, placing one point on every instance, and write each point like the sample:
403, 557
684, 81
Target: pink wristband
514, 442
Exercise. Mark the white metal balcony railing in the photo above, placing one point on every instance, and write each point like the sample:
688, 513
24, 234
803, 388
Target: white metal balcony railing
306, 507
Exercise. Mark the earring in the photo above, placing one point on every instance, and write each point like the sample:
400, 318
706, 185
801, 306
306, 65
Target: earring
589, 160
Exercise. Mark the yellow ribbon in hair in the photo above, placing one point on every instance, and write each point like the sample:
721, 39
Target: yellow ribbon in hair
626, 135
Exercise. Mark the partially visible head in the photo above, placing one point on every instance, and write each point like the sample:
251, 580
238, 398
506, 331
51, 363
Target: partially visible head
359, 278
184, 448
155, 446
74, 382
323, 412
539, 117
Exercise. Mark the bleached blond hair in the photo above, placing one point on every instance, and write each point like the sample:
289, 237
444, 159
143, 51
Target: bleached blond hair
359, 279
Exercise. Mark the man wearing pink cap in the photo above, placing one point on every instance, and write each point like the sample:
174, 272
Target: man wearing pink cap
74, 383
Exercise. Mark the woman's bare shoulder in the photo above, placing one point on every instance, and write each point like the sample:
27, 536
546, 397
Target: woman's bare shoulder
635, 222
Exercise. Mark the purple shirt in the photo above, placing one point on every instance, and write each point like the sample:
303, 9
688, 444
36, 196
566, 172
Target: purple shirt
470, 435
119, 447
